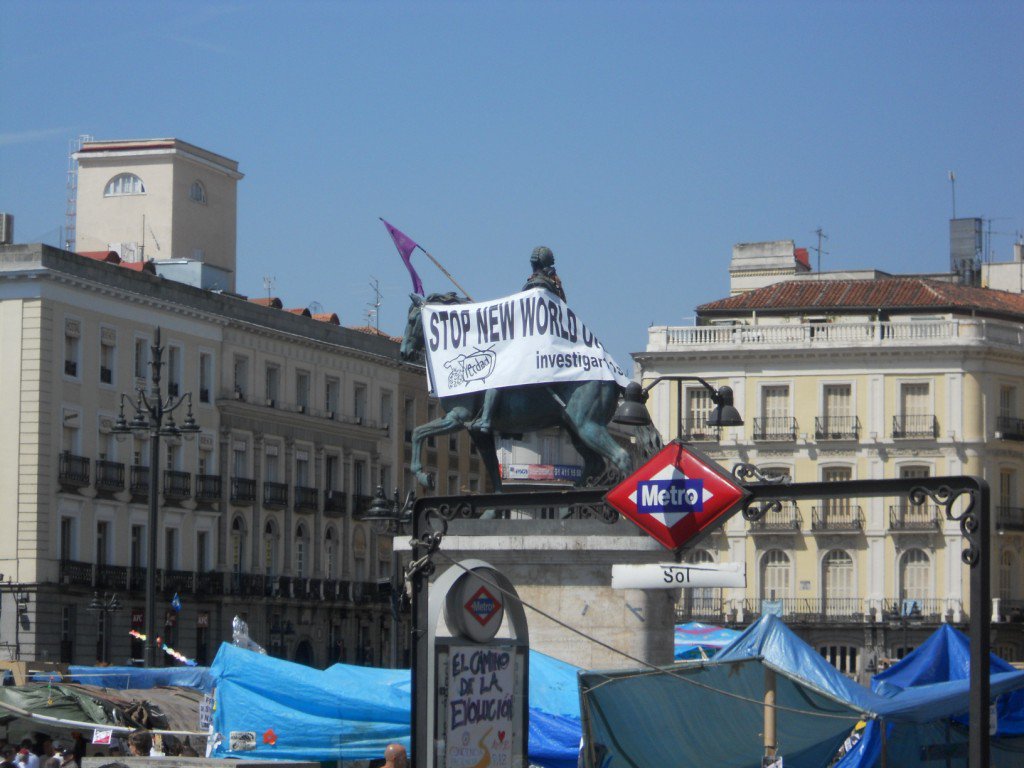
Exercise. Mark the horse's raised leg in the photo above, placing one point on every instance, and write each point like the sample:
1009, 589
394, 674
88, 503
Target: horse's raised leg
486, 447
453, 420
588, 412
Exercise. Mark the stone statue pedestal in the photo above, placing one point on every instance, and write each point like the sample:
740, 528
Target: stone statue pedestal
564, 567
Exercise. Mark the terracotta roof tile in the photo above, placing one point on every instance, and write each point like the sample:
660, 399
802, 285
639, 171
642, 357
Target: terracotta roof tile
327, 317
269, 302
374, 332
889, 294
303, 311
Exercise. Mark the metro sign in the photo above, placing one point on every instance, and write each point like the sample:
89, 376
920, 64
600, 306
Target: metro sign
482, 606
678, 496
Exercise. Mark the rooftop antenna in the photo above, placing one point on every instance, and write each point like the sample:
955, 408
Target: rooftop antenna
373, 311
821, 236
952, 187
268, 285
315, 308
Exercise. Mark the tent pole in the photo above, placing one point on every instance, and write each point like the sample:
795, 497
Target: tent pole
770, 744
885, 751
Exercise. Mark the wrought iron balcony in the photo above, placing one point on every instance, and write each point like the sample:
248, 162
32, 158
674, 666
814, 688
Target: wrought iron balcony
312, 589
837, 518
786, 520
811, 610
243, 490
360, 504
924, 609
836, 428
176, 581
109, 475
905, 518
210, 583
306, 498
136, 579
911, 426
275, 494
73, 470
697, 430
177, 484
138, 482
700, 608
775, 428
208, 488
1010, 518
335, 503
1010, 428
112, 577
75, 572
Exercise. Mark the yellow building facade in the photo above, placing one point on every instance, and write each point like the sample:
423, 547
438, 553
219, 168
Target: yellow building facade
850, 379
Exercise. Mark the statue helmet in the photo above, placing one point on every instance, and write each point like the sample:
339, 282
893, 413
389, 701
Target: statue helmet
542, 255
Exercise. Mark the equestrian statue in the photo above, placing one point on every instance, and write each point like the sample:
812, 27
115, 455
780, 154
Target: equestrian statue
584, 408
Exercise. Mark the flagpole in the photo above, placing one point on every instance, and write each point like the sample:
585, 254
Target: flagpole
446, 272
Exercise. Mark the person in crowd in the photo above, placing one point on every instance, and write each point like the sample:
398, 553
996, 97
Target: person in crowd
52, 756
26, 758
67, 756
7, 754
395, 757
140, 743
78, 746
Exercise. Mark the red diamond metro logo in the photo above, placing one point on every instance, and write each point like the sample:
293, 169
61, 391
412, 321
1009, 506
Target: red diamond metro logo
482, 606
678, 496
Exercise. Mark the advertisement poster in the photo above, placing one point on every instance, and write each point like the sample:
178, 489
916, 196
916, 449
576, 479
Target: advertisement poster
481, 685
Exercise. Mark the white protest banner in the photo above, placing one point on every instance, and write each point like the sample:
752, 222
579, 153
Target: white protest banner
481, 707
530, 337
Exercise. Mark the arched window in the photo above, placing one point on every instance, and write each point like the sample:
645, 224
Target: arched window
237, 544
837, 583
330, 555
301, 550
124, 184
915, 577
270, 548
775, 571
703, 602
197, 192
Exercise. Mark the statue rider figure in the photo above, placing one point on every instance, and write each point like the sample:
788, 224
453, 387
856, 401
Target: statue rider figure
542, 260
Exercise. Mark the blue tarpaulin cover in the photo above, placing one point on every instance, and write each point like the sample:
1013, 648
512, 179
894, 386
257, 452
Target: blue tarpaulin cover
711, 712
133, 677
352, 713
697, 641
944, 656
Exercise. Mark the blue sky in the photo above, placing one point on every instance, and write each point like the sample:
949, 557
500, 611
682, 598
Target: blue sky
639, 140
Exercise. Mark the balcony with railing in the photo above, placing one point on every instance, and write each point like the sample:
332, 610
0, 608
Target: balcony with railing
810, 610
361, 504
836, 428
109, 475
76, 572
697, 430
786, 520
1009, 428
833, 517
915, 426
243, 490
870, 334
306, 498
136, 579
112, 577
208, 488
910, 518
700, 608
177, 485
176, 581
1010, 518
73, 470
335, 503
275, 494
775, 428
210, 583
138, 480
924, 609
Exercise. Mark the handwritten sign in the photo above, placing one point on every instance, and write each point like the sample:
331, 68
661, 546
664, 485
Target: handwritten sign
481, 696
530, 337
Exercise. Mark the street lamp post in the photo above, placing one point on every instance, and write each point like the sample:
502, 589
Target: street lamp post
153, 415
102, 607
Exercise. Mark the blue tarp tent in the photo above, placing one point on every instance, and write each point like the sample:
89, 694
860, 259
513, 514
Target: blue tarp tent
944, 656
700, 641
133, 677
352, 713
711, 712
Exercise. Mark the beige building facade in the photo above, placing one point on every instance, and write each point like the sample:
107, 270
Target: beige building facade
846, 378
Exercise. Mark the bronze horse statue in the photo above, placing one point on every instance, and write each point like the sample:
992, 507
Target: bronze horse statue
584, 408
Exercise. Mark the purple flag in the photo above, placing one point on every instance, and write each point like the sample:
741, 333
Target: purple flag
405, 248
